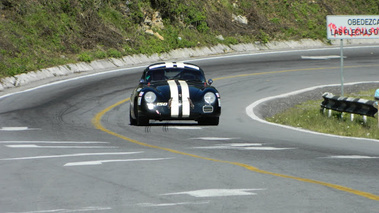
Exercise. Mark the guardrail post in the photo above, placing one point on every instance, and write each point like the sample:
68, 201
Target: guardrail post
329, 112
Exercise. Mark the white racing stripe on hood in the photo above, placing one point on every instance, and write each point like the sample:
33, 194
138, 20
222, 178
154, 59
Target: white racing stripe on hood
185, 99
174, 93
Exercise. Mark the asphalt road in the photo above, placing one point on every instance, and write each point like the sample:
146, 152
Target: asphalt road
68, 147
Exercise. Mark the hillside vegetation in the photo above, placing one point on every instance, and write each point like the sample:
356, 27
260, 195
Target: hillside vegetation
36, 34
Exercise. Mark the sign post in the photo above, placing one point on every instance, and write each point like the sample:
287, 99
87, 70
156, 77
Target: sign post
351, 27
341, 69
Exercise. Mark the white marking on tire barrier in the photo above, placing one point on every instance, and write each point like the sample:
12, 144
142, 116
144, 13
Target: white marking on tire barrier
217, 192
100, 162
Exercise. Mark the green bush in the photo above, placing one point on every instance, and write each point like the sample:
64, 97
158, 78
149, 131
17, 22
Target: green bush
264, 37
113, 53
231, 41
100, 54
85, 57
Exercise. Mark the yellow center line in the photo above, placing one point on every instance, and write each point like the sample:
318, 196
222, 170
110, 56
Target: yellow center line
96, 121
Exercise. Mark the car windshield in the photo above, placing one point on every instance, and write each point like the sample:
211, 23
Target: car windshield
176, 73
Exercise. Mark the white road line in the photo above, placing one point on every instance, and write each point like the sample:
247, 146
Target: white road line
217, 192
171, 204
243, 146
213, 147
53, 142
185, 127
213, 139
100, 162
71, 155
86, 209
325, 57
59, 147
10, 129
266, 148
239, 146
351, 157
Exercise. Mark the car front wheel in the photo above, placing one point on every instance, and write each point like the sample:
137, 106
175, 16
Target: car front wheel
131, 119
142, 121
209, 121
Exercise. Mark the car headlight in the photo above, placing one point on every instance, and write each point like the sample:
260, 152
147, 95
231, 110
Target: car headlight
150, 97
209, 97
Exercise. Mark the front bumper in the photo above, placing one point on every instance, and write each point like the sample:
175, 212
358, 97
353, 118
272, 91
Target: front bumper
162, 111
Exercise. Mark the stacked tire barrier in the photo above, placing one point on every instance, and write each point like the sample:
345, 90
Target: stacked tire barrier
349, 105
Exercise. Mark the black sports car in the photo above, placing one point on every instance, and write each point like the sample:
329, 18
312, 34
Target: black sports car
174, 91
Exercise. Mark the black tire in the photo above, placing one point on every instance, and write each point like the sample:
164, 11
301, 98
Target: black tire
209, 121
142, 121
132, 120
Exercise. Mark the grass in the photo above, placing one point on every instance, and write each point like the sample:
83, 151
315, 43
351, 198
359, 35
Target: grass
36, 34
308, 116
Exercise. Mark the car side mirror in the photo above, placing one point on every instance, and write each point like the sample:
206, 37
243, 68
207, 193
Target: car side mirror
210, 81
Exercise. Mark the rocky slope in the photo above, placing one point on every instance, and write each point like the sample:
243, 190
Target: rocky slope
36, 34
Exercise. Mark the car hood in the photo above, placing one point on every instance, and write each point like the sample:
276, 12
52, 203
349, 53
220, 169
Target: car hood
163, 88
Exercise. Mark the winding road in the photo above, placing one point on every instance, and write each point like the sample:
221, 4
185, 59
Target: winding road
67, 146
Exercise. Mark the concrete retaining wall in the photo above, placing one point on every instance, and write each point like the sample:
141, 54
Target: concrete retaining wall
178, 54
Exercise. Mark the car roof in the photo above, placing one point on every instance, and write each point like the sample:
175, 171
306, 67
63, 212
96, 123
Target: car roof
173, 65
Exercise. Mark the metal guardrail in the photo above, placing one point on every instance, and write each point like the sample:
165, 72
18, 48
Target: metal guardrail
349, 105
